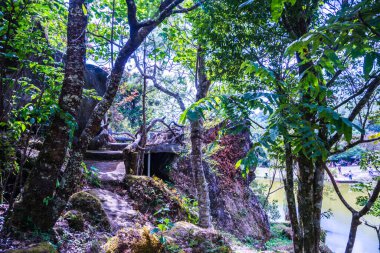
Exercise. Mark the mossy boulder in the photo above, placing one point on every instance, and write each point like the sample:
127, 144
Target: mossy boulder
91, 208
135, 241
152, 195
44, 247
187, 237
183, 237
75, 220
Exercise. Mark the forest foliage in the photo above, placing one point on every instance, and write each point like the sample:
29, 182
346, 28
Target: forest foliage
301, 76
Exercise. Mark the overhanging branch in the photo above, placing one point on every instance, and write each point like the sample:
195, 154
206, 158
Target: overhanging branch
353, 144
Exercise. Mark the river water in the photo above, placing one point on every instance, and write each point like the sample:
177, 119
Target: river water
338, 225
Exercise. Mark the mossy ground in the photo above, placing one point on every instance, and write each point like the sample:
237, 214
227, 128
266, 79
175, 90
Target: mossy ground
279, 237
44, 247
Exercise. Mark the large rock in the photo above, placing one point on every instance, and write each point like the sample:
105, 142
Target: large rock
152, 195
183, 237
134, 240
234, 207
193, 239
95, 78
91, 208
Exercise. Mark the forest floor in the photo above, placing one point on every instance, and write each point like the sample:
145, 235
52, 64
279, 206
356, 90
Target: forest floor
119, 208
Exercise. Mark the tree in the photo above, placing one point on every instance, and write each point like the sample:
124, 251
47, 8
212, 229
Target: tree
369, 161
31, 77
50, 202
202, 85
298, 71
138, 31
356, 215
40, 186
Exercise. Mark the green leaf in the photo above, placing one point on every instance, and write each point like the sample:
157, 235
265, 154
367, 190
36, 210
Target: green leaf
276, 8
368, 63
237, 165
84, 9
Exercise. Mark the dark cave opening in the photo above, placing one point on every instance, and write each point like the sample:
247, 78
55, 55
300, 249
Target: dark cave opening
159, 164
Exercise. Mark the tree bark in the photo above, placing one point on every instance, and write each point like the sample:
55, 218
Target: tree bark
355, 222
28, 213
291, 200
202, 86
306, 202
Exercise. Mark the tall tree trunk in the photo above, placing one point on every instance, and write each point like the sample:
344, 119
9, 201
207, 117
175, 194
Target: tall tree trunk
202, 85
28, 213
291, 200
306, 202
355, 222
141, 152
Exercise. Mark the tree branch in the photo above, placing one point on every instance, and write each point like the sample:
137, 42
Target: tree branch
371, 200
185, 10
158, 86
352, 97
332, 80
352, 210
353, 144
102, 37
132, 18
368, 25
359, 106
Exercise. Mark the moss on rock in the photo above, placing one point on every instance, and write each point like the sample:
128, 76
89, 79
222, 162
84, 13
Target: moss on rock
91, 208
135, 241
154, 196
190, 238
75, 220
44, 247
184, 237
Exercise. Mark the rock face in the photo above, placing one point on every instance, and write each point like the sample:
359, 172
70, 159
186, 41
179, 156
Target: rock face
95, 78
234, 207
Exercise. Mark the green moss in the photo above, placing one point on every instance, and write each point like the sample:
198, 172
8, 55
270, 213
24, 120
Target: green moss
186, 235
91, 208
134, 240
154, 196
75, 220
44, 247
279, 236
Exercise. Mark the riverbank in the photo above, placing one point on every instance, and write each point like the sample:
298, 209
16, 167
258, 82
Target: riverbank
337, 226
358, 175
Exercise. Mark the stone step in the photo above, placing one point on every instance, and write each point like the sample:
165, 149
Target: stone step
118, 209
108, 171
104, 155
117, 146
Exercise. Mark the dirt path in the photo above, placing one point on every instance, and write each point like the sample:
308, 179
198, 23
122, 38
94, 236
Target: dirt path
119, 210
